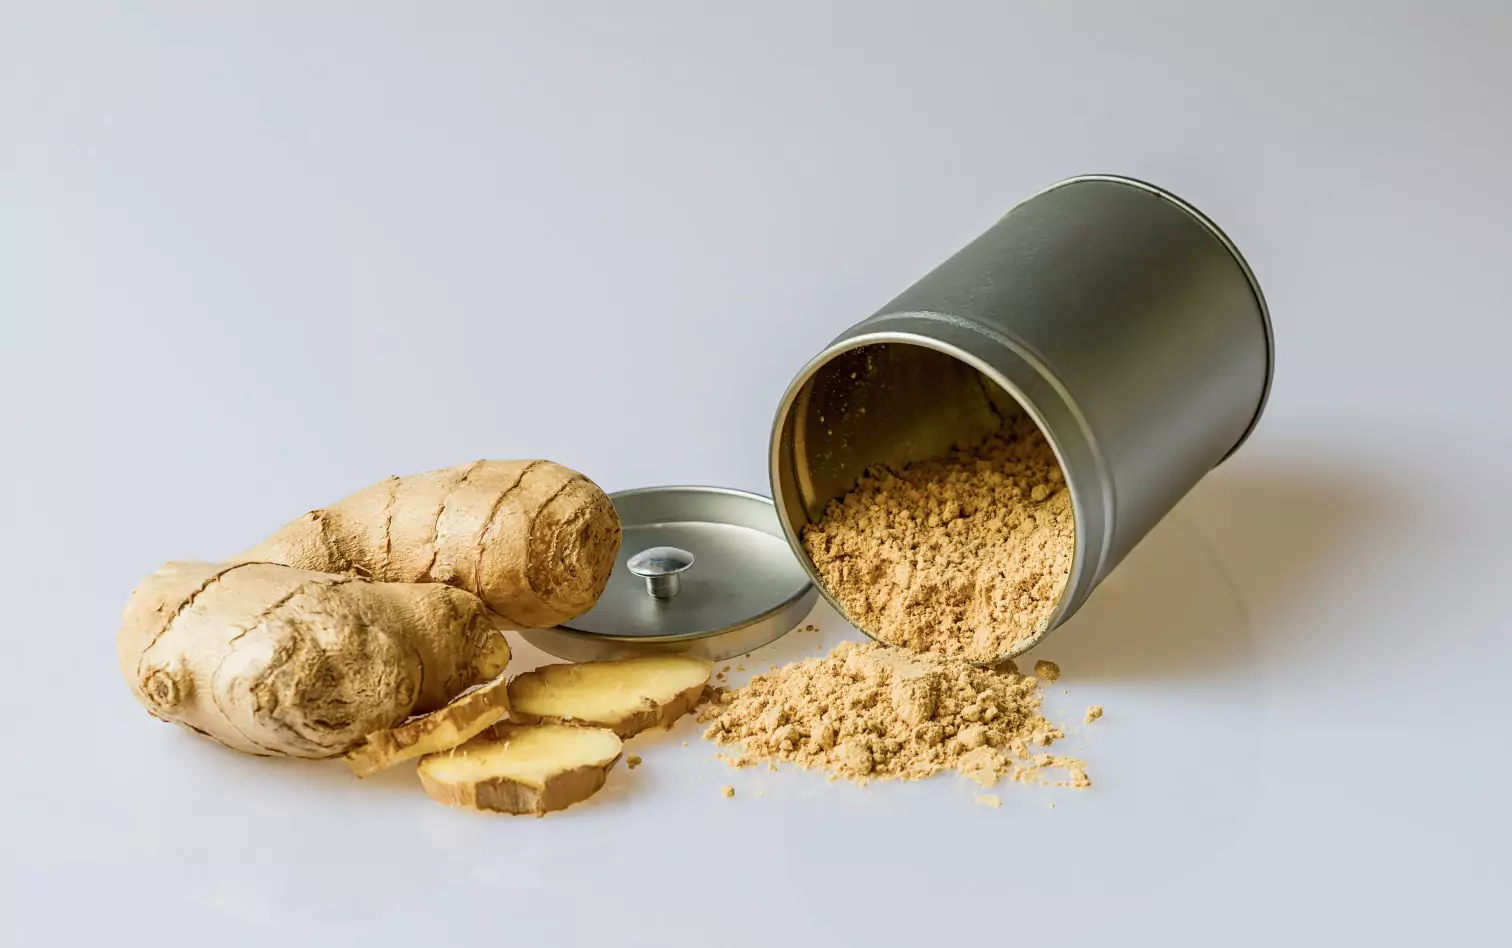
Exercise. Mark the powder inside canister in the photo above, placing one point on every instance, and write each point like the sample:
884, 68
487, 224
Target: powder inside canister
963, 555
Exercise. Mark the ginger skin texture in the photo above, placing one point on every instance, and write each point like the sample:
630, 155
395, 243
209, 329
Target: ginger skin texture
532, 539
357, 616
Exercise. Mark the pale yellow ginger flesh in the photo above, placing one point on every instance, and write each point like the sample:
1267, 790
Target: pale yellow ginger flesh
467, 716
627, 696
361, 615
532, 768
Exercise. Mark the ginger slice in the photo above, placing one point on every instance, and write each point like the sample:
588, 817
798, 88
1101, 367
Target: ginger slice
465, 717
533, 768
626, 696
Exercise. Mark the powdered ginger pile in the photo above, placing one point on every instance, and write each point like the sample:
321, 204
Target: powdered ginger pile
870, 712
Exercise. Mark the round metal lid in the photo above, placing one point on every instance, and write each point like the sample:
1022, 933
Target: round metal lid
705, 571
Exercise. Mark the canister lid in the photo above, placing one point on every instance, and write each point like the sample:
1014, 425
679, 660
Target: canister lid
703, 571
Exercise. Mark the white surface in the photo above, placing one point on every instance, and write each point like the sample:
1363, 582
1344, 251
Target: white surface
252, 261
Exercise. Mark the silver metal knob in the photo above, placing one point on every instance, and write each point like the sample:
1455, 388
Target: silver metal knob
662, 568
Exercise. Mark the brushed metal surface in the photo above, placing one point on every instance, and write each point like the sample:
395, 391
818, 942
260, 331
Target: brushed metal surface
1113, 313
743, 589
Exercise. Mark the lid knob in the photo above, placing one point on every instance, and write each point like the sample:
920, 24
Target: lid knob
662, 568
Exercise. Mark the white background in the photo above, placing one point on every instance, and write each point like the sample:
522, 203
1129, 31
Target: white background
255, 256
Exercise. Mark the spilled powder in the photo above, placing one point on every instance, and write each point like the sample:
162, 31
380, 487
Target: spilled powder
867, 712
1075, 772
1093, 713
963, 555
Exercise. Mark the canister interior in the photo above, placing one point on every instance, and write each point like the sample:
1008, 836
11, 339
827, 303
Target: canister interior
887, 403
879, 403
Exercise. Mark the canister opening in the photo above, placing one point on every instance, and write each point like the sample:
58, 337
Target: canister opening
883, 403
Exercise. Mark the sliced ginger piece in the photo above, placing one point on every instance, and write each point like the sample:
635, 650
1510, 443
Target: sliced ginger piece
626, 696
460, 720
532, 768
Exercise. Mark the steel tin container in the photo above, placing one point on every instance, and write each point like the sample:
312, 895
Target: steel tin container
1117, 315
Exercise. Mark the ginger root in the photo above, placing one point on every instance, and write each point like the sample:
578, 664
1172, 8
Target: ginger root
523, 768
626, 696
382, 606
532, 539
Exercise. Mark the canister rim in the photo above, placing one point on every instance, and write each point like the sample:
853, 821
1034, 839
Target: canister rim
1080, 497
1229, 245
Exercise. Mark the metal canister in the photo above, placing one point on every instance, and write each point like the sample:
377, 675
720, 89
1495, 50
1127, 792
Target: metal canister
1120, 318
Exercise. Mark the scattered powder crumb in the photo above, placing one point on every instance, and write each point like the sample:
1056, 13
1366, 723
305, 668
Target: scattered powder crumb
759, 793
868, 712
1046, 671
1034, 772
989, 799
724, 669
1093, 713
740, 668
727, 790
685, 743
633, 761
963, 555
